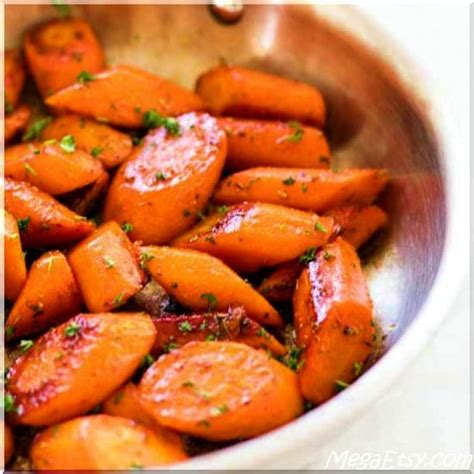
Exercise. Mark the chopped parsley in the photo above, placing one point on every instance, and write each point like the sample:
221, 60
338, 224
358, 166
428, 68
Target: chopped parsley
188, 384
170, 346
152, 119
223, 210
29, 169
200, 215
8, 106
289, 181
9, 403
309, 255
147, 361
62, 8
211, 300
96, 151
68, 143
25, 345
304, 187
35, 129
216, 411
23, 224
340, 385
9, 330
127, 227
358, 367
144, 258
211, 338
318, 226
292, 358
297, 135
84, 77
117, 300
72, 329
327, 255
185, 326
109, 262
160, 176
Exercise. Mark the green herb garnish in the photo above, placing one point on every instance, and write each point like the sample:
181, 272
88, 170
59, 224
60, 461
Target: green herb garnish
84, 77
127, 227
308, 256
35, 129
185, 326
25, 345
318, 226
289, 181
152, 119
23, 224
72, 329
211, 299
68, 143
96, 151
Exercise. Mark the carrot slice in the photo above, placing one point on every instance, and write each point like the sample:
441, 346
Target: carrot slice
220, 391
59, 50
250, 236
102, 442
356, 224
49, 297
16, 122
264, 143
14, 78
174, 331
316, 190
203, 282
15, 268
76, 365
229, 90
279, 286
9, 443
168, 180
50, 168
333, 321
109, 146
44, 221
121, 96
106, 268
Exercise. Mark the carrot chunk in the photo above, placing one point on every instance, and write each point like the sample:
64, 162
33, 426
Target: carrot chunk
229, 90
14, 79
9, 443
333, 321
59, 50
122, 95
265, 143
102, 442
106, 268
162, 187
279, 286
220, 391
76, 365
16, 122
250, 236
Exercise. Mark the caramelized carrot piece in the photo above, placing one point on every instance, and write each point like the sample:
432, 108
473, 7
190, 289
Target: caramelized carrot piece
122, 94
15, 268
14, 79
77, 365
49, 297
356, 224
250, 236
333, 321
229, 90
102, 442
16, 122
59, 50
106, 268
109, 146
279, 286
168, 180
203, 282
220, 391
174, 331
44, 222
316, 190
264, 143
50, 168
9, 443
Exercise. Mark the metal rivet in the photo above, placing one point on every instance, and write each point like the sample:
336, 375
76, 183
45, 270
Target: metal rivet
227, 11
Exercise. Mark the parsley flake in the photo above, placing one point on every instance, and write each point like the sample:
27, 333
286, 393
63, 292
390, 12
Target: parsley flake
340, 385
68, 143
96, 151
309, 255
289, 181
127, 227
35, 129
152, 119
25, 345
23, 224
72, 329
320, 227
211, 299
185, 326
84, 77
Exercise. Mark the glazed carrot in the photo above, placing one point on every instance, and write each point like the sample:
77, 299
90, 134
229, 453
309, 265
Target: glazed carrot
174, 331
59, 50
51, 168
279, 286
316, 190
154, 300
250, 236
106, 268
220, 391
14, 79
49, 297
265, 143
333, 321
109, 146
43, 221
77, 365
16, 122
15, 268
202, 282
8, 444
356, 224
240, 92
102, 442
122, 95
162, 187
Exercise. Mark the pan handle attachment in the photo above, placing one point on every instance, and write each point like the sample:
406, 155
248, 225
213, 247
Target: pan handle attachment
227, 11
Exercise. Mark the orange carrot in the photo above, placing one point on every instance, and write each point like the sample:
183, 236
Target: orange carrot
250, 236
333, 321
43, 221
279, 286
14, 79
169, 179
102, 442
49, 297
76, 365
9, 443
202, 282
98, 139
316, 190
264, 143
15, 268
122, 95
106, 268
174, 331
59, 50
16, 122
50, 167
229, 90
220, 391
